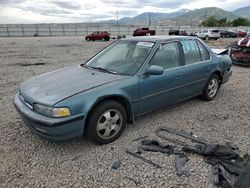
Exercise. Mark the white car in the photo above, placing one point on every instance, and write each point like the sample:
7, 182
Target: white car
209, 34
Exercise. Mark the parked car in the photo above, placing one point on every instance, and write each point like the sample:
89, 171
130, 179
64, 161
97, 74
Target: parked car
208, 34
143, 32
240, 52
177, 32
98, 35
241, 33
174, 32
228, 34
127, 79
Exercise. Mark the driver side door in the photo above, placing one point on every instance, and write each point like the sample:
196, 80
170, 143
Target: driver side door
156, 91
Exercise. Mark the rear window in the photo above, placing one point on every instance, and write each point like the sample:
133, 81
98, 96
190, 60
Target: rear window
215, 31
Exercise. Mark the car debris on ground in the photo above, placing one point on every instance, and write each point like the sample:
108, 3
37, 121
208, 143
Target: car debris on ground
230, 169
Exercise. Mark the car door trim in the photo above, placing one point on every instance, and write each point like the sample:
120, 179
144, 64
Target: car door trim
165, 91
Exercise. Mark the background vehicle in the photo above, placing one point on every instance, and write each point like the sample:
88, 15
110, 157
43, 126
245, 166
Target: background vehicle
228, 34
177, 32
98, 35
241, 33
127, 79
174, 32
240, 52
209, 34
143, 32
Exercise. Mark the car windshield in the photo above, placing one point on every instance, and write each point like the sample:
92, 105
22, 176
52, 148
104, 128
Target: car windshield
123, 57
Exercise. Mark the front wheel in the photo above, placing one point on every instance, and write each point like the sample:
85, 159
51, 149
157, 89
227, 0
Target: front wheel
211, 89
106, 122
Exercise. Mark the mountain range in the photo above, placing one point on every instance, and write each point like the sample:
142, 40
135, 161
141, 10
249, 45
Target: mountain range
182, 16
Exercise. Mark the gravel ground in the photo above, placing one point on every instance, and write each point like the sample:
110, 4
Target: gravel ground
28, 161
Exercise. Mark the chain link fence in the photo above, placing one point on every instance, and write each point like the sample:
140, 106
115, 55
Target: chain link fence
31, 30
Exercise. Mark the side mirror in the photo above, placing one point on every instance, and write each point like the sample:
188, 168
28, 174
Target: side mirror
154, 70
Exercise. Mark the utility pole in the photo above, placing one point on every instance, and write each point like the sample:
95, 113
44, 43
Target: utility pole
149, 20
117, 24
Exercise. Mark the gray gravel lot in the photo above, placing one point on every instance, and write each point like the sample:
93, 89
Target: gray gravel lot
28, 161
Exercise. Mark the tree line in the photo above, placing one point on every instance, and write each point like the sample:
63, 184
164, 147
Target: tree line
224, 22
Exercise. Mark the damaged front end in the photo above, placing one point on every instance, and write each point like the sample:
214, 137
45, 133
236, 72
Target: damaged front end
240, 52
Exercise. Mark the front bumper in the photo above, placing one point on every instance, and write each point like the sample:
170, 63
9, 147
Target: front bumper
226, 76
241, 61
240, 58
54, 129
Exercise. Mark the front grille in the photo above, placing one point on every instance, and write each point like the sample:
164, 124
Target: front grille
26, 102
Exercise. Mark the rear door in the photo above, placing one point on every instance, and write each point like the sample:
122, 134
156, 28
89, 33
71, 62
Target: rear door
156, 91
215, 33
198, 66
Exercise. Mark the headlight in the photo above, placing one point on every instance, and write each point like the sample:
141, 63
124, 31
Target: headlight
52, 112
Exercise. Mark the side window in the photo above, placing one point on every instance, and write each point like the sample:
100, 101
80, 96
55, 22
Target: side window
191, 51
204, 52
168, 56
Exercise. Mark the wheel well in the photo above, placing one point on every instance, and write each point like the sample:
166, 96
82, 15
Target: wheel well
124, 102
219, 74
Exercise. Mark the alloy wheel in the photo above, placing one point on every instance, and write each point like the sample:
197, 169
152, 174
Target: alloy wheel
213, 87
109, 124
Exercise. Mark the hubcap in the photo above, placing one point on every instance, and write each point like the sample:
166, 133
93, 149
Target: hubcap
109, 124
213, 87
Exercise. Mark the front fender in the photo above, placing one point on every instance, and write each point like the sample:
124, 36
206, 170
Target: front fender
84, 102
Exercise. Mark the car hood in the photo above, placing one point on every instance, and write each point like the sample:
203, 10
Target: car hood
53, 87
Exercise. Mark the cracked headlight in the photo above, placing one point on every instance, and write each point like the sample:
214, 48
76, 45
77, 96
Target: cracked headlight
51, 111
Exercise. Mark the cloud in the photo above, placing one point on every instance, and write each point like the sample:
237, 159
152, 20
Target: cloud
67, 5
35, 11
152, 3
8, 2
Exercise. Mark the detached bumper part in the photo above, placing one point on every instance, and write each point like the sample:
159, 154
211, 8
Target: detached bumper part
54, 129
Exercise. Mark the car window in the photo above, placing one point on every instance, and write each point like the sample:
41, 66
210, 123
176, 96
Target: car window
123, 57
204, 52
167, 56
191, 51
118, 53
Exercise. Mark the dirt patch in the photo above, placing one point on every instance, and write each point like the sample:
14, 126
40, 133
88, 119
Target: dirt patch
27, 64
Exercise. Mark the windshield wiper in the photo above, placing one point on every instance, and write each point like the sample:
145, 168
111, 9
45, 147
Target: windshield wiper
86, 66
103, 70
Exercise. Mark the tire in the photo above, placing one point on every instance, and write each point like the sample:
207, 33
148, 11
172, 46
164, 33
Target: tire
88, 39
106, 122
207, 38
211, 89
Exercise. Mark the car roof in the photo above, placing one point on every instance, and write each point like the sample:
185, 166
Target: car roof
157, 38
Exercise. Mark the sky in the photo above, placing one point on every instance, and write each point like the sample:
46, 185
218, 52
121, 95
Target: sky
75, 11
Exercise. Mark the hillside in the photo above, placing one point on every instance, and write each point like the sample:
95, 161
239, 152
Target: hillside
154, 17
195, 17
182, 17
243, 12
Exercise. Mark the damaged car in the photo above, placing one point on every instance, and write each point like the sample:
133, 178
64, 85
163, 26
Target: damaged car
127, 79
240, 52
